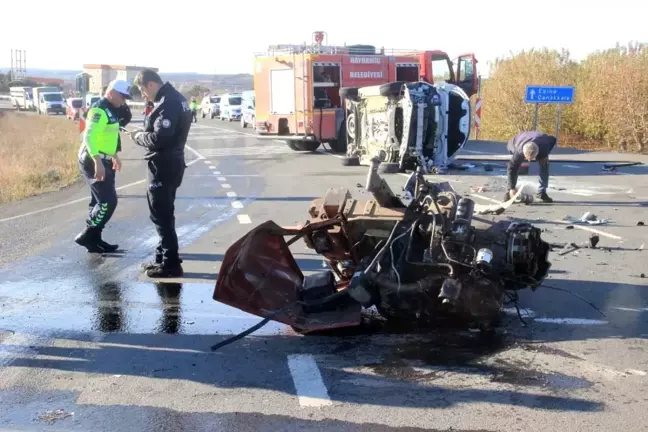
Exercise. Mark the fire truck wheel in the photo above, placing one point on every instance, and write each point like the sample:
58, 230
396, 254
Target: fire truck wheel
307, 145
351, 161
340, 144
391, 89
292, 145
350, 93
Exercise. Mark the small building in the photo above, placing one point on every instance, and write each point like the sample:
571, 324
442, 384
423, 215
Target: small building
100, 74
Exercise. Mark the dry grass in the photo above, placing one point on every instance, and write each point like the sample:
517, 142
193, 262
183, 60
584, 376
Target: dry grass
37, 154
611, 102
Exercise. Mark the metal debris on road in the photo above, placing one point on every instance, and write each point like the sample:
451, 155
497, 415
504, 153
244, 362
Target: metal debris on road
587, 218
53, 416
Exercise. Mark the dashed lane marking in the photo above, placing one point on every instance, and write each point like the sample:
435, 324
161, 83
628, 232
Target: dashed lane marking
231, 194
311, 391
226, 186
244, 219
222, 179
237, 204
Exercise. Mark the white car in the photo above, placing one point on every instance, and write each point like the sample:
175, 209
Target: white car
407, 124
210, 106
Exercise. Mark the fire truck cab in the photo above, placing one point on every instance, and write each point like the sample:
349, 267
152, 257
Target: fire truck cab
297, 87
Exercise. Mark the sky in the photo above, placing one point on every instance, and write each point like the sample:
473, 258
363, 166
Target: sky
222, 37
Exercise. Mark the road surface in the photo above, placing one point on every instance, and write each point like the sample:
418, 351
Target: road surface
89, 343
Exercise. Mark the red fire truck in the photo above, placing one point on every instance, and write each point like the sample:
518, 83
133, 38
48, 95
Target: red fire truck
297, 87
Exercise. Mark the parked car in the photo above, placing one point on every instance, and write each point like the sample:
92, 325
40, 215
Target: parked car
248, 116
230, 107
210, 106
74, 108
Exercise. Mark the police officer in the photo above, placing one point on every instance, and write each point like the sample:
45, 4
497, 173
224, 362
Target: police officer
530, 146
194, 110
164, 136
98, 162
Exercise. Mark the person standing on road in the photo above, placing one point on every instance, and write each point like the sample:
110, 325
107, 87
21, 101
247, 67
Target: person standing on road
98, 162
194, 110
164, 137
530, 146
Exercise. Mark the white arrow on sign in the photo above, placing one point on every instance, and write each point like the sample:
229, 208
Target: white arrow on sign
532, 93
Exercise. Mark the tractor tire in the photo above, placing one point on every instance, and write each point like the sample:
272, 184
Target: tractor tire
391, 89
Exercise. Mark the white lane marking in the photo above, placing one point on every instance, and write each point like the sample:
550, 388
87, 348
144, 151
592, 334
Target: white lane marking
208, 162
586, 228
436, 178
244, 219
525, 313
222, 179
226, 186
571, 321
627, 309
232, 131
216, 172
86, 199
213, 137
231, 194
195, 152
199, 157
237, 204
571, 166
311, 391
478, 152
485, 197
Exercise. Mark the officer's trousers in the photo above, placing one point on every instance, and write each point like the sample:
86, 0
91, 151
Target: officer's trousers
104, 195
164, 179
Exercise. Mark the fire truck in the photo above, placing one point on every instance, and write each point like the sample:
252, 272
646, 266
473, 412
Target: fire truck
298, 86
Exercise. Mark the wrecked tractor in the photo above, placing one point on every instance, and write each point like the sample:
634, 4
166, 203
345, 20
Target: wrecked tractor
430, 259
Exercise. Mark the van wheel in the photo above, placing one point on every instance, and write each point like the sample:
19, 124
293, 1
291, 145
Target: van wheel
203, 113
307, 145
243, 124
388, 168
351, 161
211, 115
391, 89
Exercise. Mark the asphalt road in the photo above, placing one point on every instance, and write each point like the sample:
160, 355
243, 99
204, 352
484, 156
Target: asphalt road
114, 351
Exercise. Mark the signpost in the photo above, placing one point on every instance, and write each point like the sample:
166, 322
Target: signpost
560, 95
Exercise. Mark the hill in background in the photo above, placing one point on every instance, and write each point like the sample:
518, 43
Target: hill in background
184, 81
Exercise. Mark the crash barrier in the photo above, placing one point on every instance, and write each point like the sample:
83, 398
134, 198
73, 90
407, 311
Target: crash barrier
5, 97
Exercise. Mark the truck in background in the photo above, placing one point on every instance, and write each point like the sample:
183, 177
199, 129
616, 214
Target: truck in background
297, 87
247, 109
21, 98
53, 104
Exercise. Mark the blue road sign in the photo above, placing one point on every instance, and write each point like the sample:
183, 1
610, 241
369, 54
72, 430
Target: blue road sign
549, 94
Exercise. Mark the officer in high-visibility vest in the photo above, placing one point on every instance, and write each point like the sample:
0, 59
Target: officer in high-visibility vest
98, 162
194, 110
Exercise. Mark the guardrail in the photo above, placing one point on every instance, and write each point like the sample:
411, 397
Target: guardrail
5, 97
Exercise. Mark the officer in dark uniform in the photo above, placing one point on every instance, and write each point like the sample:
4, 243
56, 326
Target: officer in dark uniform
530, 146
165, 133
98, 162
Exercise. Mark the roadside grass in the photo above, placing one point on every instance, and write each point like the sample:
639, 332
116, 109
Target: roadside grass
37, 154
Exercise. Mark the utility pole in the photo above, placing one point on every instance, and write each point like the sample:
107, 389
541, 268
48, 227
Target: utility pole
18, 64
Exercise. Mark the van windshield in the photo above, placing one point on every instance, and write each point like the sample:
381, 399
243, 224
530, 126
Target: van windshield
53, 97
235, 101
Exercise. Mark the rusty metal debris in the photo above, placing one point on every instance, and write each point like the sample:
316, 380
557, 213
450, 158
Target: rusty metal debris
428, 261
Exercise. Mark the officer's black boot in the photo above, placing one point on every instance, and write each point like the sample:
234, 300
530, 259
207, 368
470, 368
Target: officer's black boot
89, 238
166, 270
106, 246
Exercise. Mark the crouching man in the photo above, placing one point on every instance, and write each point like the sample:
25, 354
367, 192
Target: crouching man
530, 146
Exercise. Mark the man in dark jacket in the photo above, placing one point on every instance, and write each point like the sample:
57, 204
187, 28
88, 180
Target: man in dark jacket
165, 133
530, 146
